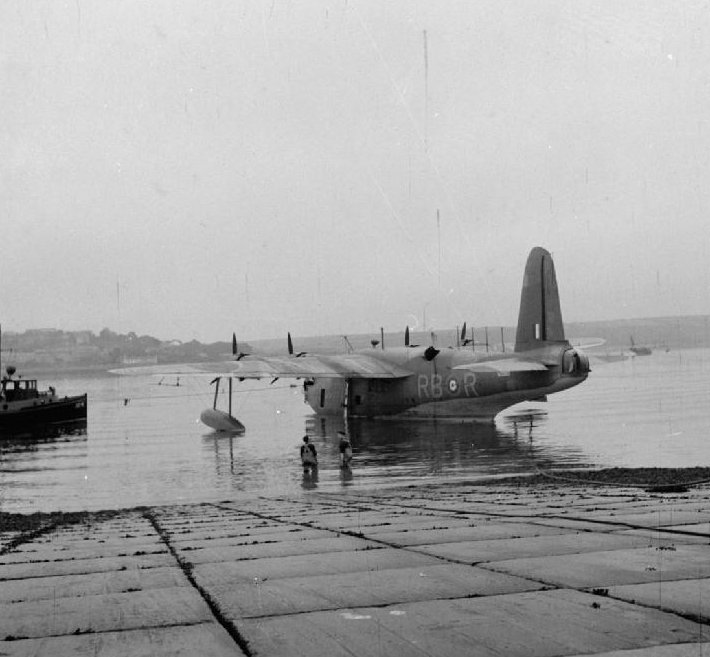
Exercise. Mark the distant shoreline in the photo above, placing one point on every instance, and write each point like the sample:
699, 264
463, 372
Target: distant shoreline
54, 350
656, 479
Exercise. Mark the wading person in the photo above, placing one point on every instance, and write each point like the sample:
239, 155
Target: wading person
309, 456
346, 450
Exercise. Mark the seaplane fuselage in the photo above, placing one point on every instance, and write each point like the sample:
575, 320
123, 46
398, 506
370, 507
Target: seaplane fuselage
446, 385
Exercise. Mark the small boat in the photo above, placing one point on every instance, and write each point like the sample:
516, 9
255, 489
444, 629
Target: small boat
23, 406
639, 350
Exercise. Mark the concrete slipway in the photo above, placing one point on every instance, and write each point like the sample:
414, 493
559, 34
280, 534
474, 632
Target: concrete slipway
442, 570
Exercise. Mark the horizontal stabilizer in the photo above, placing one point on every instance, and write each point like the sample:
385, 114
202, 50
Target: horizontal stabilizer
503, 366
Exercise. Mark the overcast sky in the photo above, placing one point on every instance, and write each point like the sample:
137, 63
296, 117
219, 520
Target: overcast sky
188, 169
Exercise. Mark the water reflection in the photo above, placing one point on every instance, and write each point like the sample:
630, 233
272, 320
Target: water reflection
48, 457
42, 433
346, 475
223, 446
309, 480
43, 448
524, 421
154, 450
414, 448
385, 452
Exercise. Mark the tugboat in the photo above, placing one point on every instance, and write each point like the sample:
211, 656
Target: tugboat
23, 406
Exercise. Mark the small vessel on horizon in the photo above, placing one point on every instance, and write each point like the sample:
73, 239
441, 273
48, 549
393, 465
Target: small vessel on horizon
639, 350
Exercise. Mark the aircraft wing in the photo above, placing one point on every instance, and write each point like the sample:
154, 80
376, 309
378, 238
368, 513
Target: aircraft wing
503, 366
343, 366
172, 369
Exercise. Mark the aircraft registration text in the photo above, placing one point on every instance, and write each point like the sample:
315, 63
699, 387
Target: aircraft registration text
433, 387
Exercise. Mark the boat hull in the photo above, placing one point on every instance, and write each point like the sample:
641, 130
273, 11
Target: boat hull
57, 411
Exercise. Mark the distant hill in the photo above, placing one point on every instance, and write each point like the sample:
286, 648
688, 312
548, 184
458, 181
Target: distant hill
57, 349
656, 332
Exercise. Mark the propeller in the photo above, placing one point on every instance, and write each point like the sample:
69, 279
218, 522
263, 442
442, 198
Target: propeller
235, 351
464, 340
407, 342
290, 348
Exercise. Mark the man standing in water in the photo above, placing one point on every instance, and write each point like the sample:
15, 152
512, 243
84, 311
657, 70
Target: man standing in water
309, 456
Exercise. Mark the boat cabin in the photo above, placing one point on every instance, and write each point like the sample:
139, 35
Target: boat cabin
20, 389
24, 405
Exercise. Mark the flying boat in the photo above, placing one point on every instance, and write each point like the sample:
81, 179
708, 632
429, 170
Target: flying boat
423, 381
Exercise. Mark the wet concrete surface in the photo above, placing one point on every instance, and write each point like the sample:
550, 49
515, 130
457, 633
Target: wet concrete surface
439, 570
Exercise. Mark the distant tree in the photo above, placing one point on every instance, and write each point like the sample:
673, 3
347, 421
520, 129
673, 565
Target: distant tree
107, 335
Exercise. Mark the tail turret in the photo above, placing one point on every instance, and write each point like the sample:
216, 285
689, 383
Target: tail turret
540, 318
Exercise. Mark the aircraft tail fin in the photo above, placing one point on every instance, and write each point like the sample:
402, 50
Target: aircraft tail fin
540, 318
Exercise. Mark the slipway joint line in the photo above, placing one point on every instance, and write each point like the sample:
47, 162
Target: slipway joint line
552, 516
348, 532
186, 568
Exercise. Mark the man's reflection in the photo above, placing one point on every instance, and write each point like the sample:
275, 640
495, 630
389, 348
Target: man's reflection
310, 479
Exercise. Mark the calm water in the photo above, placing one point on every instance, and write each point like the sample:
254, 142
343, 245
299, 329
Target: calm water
152, 449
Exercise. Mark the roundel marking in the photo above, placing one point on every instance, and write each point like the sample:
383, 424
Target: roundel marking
453, 385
